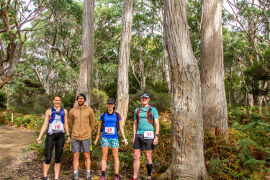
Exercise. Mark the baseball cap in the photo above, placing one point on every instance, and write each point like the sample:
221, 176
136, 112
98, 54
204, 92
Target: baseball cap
110, 101
145, 95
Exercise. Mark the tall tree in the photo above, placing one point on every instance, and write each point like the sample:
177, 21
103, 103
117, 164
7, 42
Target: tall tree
86, 66
14, 15
123, 64
187, 120
214, 103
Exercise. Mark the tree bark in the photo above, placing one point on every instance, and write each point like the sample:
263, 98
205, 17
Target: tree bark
86, 66
123, 64
214, 101
187, 121
143, 78
166, 60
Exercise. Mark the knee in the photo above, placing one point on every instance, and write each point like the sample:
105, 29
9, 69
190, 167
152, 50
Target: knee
76, 156
47, 161
104, 157
116, 157
86, 156
148, 156
136, 156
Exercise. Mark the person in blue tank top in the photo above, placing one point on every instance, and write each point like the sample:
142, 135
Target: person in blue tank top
110, 123
56, 118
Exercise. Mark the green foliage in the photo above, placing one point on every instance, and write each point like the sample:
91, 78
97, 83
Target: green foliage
245, 154
29, 97
3, 99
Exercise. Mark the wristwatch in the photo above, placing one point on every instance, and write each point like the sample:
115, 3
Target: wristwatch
156, 135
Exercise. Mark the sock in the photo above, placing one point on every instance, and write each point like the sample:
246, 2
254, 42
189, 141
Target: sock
116, 175
149, 169
76, 174
103, 173
88, 173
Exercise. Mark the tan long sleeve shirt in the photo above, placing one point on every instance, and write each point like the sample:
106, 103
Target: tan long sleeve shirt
81, 121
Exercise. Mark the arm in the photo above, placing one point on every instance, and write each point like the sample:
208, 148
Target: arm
66, 126
98, 133
44, 126
134, 129
157, 131
92, 120
123, 132
70, 119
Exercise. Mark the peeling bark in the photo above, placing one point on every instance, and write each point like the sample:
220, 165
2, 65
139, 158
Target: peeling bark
214, 101
86, 66
187, 121
124, 55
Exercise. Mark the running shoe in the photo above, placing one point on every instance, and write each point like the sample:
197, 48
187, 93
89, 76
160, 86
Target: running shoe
116, 178
102, 178
44, 178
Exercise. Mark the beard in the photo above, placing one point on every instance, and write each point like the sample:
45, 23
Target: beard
81, 103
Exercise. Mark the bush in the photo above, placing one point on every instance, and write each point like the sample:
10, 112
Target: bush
3, 99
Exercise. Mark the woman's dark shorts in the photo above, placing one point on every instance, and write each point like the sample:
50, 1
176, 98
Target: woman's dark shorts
143, 144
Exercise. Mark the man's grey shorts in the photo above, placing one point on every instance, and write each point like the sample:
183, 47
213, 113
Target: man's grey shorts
80, 146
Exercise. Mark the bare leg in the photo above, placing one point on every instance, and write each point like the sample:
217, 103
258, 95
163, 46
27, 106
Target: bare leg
136, 164
87, 160
104, 158
45, 169
56, 170
116, 160
76, 161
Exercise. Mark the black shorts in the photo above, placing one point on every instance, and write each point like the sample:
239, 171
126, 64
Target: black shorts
143, 144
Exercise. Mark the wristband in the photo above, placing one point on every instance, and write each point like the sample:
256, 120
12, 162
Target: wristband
124, 140
68, 135
156, 135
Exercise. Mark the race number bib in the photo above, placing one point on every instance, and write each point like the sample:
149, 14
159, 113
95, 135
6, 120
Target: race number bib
57, 126
148, 135
110, 130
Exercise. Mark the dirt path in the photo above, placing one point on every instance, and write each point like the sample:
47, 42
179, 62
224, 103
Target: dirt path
12, 142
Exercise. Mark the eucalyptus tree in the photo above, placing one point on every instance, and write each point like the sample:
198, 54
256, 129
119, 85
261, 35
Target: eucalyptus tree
54, 48
187, 120
252, 19
214, 103
124, 57
14, 19
86, 64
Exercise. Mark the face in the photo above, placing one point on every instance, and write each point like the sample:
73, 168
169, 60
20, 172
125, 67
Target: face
110, 107
145, 100
80, 100
57, 101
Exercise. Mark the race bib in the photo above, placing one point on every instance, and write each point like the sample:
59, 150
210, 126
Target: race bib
57, 126
148, 135
110, 130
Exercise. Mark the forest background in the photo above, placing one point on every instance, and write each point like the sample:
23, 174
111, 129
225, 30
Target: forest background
41, 50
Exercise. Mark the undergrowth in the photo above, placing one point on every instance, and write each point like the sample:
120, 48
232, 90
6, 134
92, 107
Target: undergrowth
245, 155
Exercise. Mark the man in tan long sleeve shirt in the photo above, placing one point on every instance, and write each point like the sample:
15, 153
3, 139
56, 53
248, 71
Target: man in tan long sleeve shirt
81, 121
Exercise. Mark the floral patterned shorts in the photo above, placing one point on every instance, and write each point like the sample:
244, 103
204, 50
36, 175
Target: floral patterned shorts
109, 142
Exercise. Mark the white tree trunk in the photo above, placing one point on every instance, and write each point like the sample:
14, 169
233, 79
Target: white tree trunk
86, 66
187, 121
214, 101
123, 64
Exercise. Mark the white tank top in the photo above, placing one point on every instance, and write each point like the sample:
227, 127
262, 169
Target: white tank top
56, 126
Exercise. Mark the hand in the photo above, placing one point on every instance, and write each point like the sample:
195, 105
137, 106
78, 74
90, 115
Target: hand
68, 140
133, 140
155, 141
125, 141
95, 142
38, 141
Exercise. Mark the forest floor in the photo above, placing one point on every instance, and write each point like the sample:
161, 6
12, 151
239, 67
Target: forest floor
17, 162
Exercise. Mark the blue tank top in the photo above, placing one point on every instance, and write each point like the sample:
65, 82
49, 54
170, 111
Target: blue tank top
110, 128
